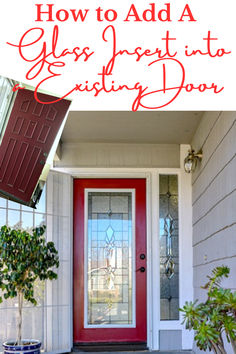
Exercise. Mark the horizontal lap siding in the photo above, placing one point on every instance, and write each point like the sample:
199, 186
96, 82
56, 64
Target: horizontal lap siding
219, 148
119, 155
214, 199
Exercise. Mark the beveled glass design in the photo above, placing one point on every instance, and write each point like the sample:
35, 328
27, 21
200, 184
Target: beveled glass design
110, 250
169, 263
169, 247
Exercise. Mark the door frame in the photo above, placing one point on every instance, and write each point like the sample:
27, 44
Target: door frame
136, 334
114, 173
185, 233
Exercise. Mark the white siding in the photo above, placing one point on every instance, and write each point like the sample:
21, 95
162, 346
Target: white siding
118, 155
214, 199
58, 299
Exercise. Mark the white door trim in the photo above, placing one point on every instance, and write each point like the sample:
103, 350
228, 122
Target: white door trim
185, 233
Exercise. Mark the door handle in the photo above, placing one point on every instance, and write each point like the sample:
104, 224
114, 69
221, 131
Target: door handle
141, 269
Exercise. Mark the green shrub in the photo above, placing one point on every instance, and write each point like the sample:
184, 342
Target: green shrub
24, 258
214, 317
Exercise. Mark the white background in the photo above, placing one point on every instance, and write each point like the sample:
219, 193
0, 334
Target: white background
16, 17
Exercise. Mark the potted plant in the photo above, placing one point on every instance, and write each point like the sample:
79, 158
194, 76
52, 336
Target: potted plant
24, 258
214, 317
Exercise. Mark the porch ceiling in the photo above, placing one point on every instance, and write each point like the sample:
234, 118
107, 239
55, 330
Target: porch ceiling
131, 127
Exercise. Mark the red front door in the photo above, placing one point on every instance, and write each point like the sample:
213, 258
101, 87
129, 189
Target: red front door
110, 261
30, 132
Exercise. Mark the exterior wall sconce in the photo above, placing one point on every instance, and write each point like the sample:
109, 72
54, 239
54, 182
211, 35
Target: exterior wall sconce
190, 161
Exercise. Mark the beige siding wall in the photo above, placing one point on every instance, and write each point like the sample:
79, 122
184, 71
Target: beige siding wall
214, 198
118, 155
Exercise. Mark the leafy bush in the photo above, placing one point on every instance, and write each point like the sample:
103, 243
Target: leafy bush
214, 317
24, 258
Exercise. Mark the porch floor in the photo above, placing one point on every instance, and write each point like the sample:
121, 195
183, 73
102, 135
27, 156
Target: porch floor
140, 352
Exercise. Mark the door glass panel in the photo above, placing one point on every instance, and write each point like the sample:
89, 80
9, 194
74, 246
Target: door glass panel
110, 256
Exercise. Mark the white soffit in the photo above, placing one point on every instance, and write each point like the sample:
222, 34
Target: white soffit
131, 127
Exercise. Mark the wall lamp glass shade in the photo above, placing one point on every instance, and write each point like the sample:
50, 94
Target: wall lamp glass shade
190, 161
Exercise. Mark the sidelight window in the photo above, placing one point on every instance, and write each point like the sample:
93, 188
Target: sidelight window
169, 247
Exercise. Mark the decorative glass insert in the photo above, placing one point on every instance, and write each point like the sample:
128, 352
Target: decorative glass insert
169, 247
110, 256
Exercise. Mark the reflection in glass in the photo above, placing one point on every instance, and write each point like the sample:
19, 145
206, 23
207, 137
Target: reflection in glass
13, 205
41, 206
27, 221
26, 208
14, 219
3, 202
110, 257
3, 220
39, 220
169, 247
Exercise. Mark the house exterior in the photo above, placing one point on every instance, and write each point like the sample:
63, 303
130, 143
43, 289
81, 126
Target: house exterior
136, 234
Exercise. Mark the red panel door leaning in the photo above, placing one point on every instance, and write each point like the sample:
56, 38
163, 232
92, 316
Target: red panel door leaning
89, 329
30, 133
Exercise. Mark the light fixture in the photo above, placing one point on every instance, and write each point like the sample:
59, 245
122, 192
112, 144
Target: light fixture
190, 162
